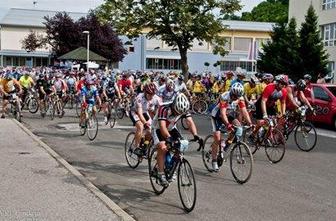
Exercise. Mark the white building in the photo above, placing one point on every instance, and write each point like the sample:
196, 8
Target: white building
326, 12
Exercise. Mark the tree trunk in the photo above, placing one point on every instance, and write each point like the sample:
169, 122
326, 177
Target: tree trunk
184, 63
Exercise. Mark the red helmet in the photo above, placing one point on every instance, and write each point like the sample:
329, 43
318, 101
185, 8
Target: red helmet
150, 88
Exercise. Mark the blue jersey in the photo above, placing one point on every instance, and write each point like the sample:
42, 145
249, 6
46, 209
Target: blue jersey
89, 94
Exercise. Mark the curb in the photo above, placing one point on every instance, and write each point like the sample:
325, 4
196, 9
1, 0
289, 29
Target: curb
92, 188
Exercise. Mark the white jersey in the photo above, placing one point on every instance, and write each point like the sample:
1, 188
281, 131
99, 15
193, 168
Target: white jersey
180, 87
146, 105
166, 95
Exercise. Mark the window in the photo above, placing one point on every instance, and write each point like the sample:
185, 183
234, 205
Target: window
153, 44
242, 44
232, 65
160, 63
328, 4
329, 34
131, 49
319, 93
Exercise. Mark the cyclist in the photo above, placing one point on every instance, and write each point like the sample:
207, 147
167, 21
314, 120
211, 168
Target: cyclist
125, 85
266, 104
26, 83
250, 91
8, 87
142, 111
89, 94
111, 91
45, 87
230, 107
164, 129
71, 83
228, 79
296, 96
180, 86
60, 86
240, 76
167, 91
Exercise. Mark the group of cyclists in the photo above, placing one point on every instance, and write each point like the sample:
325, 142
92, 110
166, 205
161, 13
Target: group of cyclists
158, 101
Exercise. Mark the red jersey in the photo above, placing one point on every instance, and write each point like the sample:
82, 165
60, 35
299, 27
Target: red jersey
80, 85
124, 83
272, 94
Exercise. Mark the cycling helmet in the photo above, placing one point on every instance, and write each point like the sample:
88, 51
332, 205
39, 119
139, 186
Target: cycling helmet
170, 85
111, 83
150, 88
240, 74
8, 76
301, 85
283, 79
237, 89
41, 76
267, 77
181, 104
307, 77
252, 80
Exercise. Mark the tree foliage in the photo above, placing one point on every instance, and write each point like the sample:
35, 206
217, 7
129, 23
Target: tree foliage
295, 53
64, 34
33, 41
268, 11
313, 54
178, 23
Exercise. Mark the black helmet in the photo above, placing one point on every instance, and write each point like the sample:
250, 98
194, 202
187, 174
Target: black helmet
307, 77
301, 85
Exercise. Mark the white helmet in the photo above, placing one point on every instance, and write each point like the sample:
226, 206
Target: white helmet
181, 104
237, 89
170, 84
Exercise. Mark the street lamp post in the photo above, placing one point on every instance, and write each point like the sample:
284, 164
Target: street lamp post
88, 49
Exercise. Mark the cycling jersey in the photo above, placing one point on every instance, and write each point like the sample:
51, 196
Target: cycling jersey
166, 95
232, 110
110, 91
59, 85
272, 94
198, 87
146, 105
215, 87
90, 94
227, 85
249, 91
8, 85
26, 82
180, 87
124, 84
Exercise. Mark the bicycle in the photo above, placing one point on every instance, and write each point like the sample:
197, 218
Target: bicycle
132, 159
59, 108
15, 108
31, 101
199, 104
296, 121
90, 124
49, 107
238, 151
185, 174
111, 113
272, 139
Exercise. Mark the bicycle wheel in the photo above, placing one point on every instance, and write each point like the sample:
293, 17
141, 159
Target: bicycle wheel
241, 162
120, 112
305, 136
200, 107
186, 186
131, 158
113, 117
78, 108
82, 130
51, 110
275, 146
153, 173
18, 112
206, 152
184, 123
92, 127
59, 108
253, 146
32, 105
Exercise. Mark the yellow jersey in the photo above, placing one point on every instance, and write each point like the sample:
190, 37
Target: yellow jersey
198, 87
26, 82
260, 88
249, 91
215, 88
227, 85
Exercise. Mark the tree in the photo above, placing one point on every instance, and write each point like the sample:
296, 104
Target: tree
314, 56
103, 39
33, 41
178, 23
64, 35
269, 59
268, 11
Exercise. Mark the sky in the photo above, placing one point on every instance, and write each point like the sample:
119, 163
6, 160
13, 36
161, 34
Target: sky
76, 5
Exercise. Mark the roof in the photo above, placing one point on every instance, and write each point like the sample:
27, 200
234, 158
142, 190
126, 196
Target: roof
32, 17
80, 54
249, 25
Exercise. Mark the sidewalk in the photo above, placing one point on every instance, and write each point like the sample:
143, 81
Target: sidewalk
34, 186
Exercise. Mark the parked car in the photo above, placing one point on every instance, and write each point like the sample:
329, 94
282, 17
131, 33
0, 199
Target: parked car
323, 99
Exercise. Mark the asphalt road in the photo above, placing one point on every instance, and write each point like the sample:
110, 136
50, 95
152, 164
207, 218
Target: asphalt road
300, 187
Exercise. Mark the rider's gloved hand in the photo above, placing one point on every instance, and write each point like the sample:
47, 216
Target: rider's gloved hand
229, 127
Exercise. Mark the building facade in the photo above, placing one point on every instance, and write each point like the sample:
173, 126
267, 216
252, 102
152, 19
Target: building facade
244, 40
326, 12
